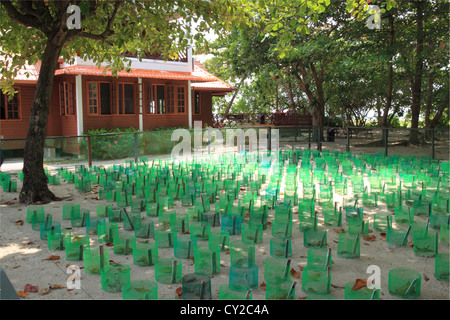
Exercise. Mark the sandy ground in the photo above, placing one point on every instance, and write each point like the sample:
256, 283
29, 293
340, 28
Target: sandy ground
23, 255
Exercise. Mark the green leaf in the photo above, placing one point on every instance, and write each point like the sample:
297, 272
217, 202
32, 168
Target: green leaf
349, 6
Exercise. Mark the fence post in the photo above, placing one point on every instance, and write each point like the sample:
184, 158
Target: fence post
386, 131
432, 144
319, 142
136, 151
269, 138
309, 137
347, 148
209, 141
89, 150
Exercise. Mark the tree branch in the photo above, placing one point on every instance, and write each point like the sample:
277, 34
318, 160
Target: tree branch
24, 19
27, 8
106, 33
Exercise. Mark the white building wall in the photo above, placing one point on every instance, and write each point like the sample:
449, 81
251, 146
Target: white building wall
146, 64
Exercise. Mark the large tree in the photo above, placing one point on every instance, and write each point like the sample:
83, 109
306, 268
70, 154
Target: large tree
423, 36
44, 30
297, 42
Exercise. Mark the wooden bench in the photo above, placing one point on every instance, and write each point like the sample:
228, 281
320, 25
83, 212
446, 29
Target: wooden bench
289, 119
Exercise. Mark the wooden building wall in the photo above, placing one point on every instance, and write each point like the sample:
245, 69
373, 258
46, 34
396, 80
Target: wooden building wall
66, 125
152, 121
122, 121
205, 115
17, 128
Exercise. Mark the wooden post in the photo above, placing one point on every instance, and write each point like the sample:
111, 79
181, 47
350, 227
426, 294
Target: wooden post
89, 150
136, 150
432, 144
386, 131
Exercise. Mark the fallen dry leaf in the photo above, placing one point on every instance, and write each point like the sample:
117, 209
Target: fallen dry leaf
295, 273
369, 238
26, 243
338, 230
44, 291
425, 277
178, 292
359, 283
56, 286
52, 257
263, 286
303, 298
22, 294
19, 223
30, 288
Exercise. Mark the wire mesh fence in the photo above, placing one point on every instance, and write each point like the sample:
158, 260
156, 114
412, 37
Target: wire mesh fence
429, 143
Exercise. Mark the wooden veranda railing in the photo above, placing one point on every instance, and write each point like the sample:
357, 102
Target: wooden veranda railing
276, 119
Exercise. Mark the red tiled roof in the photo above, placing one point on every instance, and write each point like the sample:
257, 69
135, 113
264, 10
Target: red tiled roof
197, 75
200, 77
213, 85
218, 85
27, 73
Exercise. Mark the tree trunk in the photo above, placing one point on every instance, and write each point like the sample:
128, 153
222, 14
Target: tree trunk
416, 87
288, 89
444, 104
429, 104
378, 108
390, 79
317, 114
234, 96
35, 182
